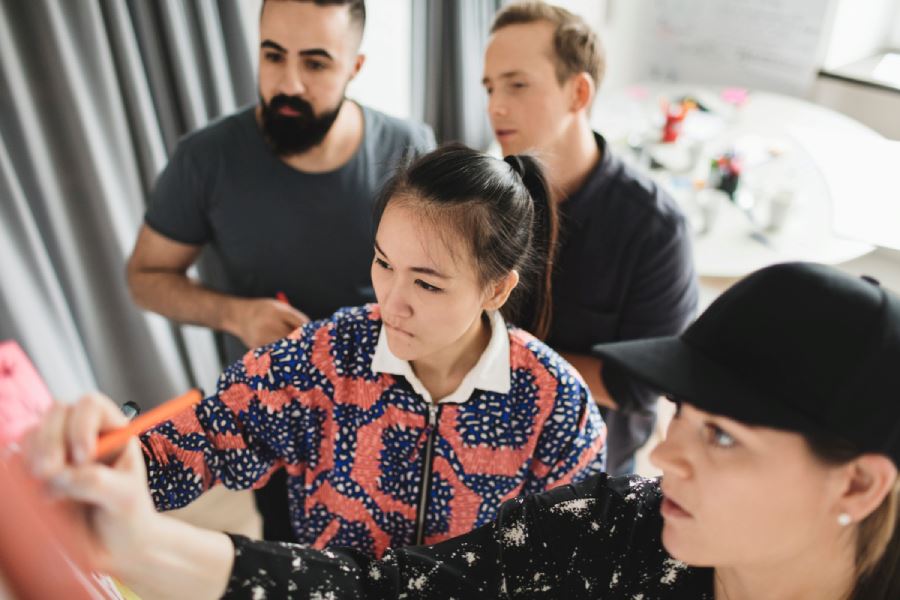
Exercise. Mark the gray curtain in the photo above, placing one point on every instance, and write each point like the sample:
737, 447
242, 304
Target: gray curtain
93, 96
449, 37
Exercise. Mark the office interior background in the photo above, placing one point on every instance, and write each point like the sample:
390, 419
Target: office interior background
96, 93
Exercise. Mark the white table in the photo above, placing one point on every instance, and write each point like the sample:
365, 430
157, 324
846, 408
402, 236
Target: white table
734, 245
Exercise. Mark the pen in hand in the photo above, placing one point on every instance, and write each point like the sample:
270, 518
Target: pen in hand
112, 441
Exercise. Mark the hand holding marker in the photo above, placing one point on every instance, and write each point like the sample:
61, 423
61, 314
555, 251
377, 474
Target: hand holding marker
111, 442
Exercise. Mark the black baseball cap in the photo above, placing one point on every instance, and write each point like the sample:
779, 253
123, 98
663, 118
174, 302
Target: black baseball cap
796, 346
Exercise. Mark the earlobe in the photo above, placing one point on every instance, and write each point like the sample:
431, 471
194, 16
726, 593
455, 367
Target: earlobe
871, 479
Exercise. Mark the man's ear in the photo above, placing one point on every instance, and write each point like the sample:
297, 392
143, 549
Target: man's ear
499, 291
582, 91
360, 61
870, 478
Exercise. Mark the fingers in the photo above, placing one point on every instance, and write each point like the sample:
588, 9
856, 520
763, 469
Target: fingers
92, 415
291, 315
272, 321
131, 461
118, 488
295, 318
44, 446
94, 484
70, 433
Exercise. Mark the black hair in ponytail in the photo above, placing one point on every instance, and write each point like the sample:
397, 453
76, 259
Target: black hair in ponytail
502, 209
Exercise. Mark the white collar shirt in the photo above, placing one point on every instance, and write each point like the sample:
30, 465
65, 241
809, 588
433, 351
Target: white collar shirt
490, 373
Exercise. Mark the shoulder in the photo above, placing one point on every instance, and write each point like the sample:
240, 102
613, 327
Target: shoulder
355, 321
356, 326
603, 535
628, 496
351, 335
636, 199
526, 352
221, 132
396, 132
341, 344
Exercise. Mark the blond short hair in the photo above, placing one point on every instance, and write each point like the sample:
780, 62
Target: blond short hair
576, 46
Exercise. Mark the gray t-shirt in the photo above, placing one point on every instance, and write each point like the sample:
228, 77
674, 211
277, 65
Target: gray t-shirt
274, 228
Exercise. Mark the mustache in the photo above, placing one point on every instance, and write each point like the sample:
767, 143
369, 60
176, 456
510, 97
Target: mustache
293, 102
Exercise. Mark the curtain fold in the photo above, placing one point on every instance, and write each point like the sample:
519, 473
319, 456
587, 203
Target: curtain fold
94, 96
449, 38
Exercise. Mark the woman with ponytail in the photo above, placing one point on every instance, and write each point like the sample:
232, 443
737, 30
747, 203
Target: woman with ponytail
409, 421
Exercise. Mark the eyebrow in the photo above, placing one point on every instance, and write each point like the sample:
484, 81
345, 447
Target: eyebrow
309, 52
422, 270
506, 75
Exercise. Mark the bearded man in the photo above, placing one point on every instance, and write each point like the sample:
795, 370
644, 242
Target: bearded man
281, 191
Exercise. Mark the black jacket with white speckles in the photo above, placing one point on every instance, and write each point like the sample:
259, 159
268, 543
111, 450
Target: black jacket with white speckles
599, 539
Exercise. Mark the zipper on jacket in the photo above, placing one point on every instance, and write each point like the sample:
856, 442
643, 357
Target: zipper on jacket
431, 431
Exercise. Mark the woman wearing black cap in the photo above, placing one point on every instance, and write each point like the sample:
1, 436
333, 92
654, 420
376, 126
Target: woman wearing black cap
780, 481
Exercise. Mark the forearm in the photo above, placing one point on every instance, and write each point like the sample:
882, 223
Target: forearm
463, 567
634, 395
182, 299
178, 561
589, 369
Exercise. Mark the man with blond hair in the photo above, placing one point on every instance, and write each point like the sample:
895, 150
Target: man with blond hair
625, 269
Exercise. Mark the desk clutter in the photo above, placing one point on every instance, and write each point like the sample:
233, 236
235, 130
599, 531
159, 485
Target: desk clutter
735, 162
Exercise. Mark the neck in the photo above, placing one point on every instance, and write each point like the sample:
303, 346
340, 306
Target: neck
571, 158
443, 372
803, 578
339, 145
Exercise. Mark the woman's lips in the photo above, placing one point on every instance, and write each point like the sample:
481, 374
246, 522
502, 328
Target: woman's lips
672, 510
504, 133
397, 329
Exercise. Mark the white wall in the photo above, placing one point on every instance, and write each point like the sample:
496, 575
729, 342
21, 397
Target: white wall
895, 36
385, 80
859, 29
627, 58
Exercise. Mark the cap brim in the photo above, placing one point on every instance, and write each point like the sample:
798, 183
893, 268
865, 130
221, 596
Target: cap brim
674, 368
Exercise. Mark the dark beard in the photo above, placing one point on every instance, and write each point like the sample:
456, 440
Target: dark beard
295, 135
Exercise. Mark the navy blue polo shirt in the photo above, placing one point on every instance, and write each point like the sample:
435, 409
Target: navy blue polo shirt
624, 271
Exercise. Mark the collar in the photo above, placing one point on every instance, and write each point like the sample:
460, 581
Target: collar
576, 208
490, 373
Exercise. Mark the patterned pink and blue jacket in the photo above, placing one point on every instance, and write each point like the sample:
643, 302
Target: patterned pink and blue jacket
366, 468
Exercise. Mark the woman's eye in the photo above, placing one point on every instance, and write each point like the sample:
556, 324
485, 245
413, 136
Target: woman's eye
719, 437
381, 263
427, 286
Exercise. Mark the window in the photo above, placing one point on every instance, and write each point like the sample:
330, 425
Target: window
864, 44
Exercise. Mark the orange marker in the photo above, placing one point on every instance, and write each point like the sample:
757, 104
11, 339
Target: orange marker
281, 297
112, 441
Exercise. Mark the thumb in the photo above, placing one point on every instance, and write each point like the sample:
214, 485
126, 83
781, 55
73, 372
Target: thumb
295, 318
116, 489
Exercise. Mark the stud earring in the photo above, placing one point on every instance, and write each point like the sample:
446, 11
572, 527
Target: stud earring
844, 519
